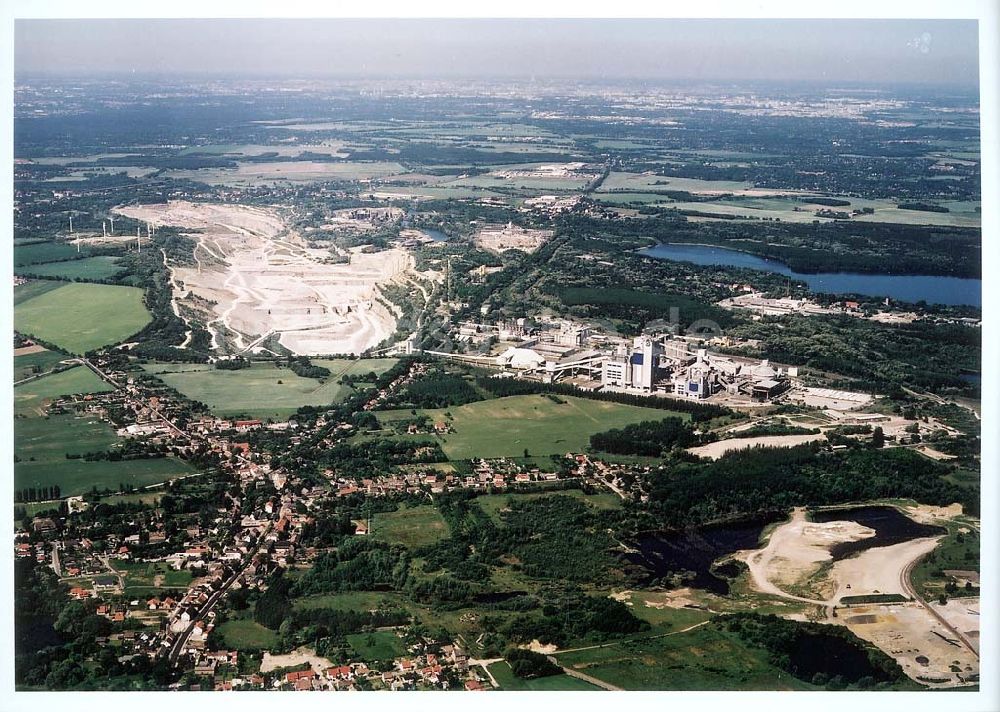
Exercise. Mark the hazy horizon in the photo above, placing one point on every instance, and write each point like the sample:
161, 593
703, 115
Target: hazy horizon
817, 51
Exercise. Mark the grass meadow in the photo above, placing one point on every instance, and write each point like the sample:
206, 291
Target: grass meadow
263, 390
412, 527
79, 317
506, 427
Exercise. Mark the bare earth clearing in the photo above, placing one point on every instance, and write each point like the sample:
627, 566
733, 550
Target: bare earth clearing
795, 565
721, 447
294, 659
252, 278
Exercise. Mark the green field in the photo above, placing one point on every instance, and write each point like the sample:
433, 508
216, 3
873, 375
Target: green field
649, 183
30, 398
256, 391
48, 441
289, 172
412, 527
246, 635
353, 601
246, 149
506, 427
42, 443
81, 317
43, 252
379, 645
509, 681
34, 288
957, 551
649, 606
700, 659
493, 504
147, 578
87, 268
39, 362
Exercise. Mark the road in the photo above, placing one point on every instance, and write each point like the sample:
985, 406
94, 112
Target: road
586, 678
645, 637
484, 664
179, 642
156, 413
177, 646
907, 586
55, 559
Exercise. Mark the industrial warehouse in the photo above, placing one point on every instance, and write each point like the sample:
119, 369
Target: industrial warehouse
650, 364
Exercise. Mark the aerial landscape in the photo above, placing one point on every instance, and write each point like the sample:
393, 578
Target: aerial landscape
457, 381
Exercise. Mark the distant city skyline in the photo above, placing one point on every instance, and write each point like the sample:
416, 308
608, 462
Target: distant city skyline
850, 51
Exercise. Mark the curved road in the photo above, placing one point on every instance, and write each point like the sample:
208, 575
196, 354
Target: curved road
907, 586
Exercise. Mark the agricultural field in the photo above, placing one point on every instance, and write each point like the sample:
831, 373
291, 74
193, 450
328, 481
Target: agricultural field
353, 601
32, 362
101, 267
412, 527
148, 578
700, 659
510, 682
245, 634
81, 317
328, 148
38, 252
49, 440
506, 427
42, 443
648, 182
494, 504
263, 390
289, 172
34, 288
378, 645
152, 497
439, 191
30, 398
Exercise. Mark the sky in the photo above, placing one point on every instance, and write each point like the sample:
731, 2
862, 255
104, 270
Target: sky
859, 51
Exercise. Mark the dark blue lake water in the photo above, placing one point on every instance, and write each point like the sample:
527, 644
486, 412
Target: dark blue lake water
907, 288
435, 235
662, 554
891, 527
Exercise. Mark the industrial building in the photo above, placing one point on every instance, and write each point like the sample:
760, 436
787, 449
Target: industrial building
668, 365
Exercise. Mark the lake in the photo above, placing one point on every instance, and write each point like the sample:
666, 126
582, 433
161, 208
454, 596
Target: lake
694, 551
907, 288
435, 235
891, 527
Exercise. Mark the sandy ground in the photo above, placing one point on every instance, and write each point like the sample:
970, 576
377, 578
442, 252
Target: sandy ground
935, 454
296, 657
928, 514
798, 552
260, 279
878, 570
925, 649
963, 615
511, 237
721, 447
26, 350
536, 646
675, 598
795, 552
